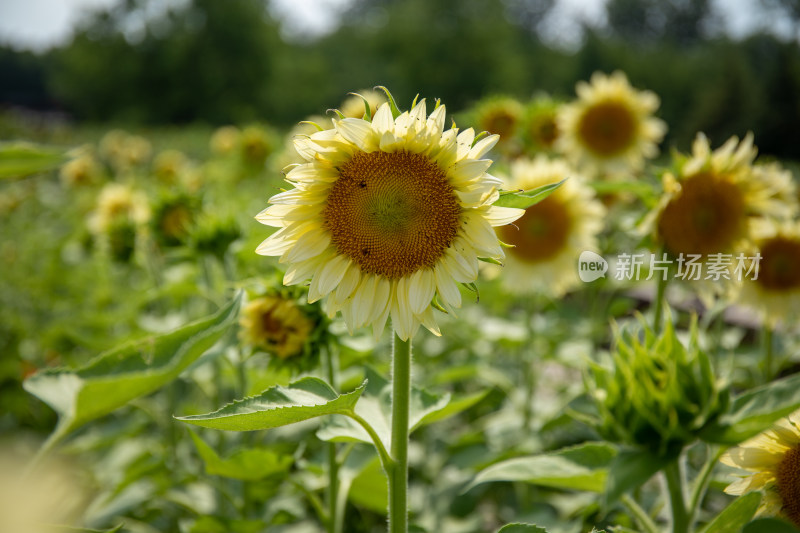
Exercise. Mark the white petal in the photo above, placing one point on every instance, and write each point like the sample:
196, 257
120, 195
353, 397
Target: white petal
383, 122
465, 139
299, 272
326, 279
484, 145
363, 298
469, 169
500, 216
421, 288
348, 283
428, 320
447, 287
311, 244
402, 317
358, 132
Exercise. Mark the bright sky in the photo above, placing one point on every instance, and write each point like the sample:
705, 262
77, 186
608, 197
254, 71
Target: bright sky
39, 24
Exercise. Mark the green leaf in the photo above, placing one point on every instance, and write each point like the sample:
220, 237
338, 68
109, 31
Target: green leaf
641, 189
736, 515
363, 481
630, 469
18, 159
755, 411
525, 199
769, 525
521, 528
392, 103
116, 377
67, 529
582, 467
279, 406
376, 408
249, 464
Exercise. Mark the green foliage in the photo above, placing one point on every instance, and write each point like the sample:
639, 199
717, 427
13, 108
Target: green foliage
248, 464
768, 525
736, 515
582, 467
278, 406
116, 377
521, 528
526, 199
20, 159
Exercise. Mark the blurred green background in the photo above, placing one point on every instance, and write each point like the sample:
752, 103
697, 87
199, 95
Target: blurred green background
217, 62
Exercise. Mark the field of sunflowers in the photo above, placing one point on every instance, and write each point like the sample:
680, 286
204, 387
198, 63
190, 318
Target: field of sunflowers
216, 331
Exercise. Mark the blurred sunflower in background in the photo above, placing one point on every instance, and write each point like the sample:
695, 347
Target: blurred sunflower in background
500, 115
774, 290
224, 140
550, 236
712, 199
124, 151
540, 129
610, 128
118, 220
84, 169
387, 215
277, 325
169, 165
773, 457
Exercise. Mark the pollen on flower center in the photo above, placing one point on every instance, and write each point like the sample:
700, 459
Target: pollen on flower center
392, 213
788, 483
542, 233
706, 217
778, 269
607, 128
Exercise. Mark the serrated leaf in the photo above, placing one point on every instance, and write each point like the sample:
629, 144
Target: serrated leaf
20, 159
521, 528
525, 199
279, 406
769, 525
376, 408
630, 469
249, 464
733, 518
582, 467
138, 368
754, 411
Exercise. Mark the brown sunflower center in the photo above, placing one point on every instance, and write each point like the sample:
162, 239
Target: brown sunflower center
706, 217
392, 213
779, 268
544, 130
788, 483
543, 231
607, 128
500, 121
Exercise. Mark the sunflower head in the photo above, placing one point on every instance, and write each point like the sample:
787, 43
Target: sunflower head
550, 236
659, 393
709, 199
540, 124
610, 128
119, 218
500, 115
125, 151
174, 218
255, 145
773, 457
225, 140
169, 165
279, 324
387, 216
774, 290
83, 170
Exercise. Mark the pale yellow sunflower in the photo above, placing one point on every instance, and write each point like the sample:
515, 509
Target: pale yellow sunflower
774, 459
225, 140
610, 128
386, 215
713, 199
118, 203
83, 170
501, 115
774, 290
276, 325
550, 236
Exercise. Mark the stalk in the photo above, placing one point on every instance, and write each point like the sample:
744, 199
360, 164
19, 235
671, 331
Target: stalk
677, 498
398, 474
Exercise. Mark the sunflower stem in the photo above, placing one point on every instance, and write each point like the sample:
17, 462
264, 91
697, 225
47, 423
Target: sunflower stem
658, 312
398, 474
333, 462
701, 482
639, 514
677, 497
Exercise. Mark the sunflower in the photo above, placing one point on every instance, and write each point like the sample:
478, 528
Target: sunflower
83, 170
386, 215
775, 289
610, 128
540, 124
713, 199
119, 219
551, 234
225, 140
276, 325
774, 459
501, 115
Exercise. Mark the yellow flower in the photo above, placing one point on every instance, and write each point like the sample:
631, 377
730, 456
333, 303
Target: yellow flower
712, 201
255, 145
610, 128
123, 150
353, 106
774, 459
224, 140
169, 165
775, 291
83, 170
276, 325
500, 115
385, 215
551, 234
118, 203
541, 123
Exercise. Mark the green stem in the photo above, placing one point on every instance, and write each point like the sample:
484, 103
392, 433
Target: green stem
768, 342
639, 514
701, 483
386, 461
333, 463
401, 397
677, 497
